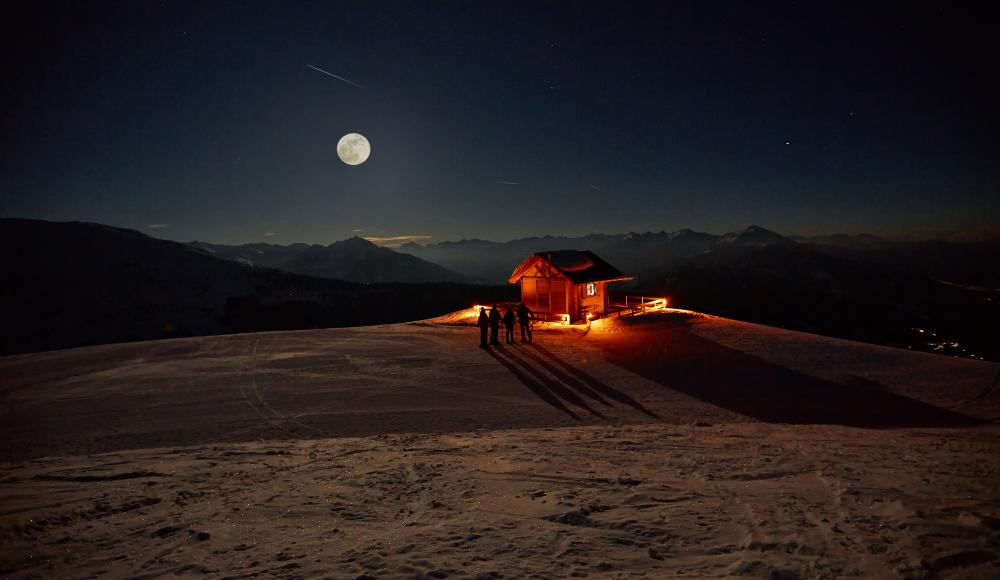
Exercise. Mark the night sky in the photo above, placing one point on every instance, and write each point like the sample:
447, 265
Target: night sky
499, 120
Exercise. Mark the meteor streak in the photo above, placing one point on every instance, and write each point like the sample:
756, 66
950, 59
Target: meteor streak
336, 77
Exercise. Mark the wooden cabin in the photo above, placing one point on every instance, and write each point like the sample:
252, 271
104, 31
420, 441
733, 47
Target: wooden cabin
563, 283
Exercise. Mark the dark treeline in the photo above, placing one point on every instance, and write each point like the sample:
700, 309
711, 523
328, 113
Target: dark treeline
78, 284
362, 304
802, 288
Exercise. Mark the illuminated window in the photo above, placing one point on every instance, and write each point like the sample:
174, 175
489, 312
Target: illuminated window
591, 289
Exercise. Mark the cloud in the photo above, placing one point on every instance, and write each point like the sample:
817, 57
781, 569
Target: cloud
269, 234
396, 241
157, 226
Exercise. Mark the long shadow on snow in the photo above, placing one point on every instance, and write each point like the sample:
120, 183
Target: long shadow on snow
534, 386
583, 381
674, 357
555, 387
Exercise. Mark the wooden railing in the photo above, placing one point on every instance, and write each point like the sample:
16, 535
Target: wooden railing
632, 305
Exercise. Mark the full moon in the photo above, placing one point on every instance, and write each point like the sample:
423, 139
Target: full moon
353, 149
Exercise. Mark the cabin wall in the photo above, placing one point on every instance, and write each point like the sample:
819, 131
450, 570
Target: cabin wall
598, 303
545, 290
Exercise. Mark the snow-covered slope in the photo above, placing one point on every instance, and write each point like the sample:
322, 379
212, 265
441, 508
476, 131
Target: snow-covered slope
680, 450
677, 367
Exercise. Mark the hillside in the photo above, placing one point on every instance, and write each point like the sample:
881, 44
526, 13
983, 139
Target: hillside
776, 281
264, 255
974, 263
931, 296
72, 284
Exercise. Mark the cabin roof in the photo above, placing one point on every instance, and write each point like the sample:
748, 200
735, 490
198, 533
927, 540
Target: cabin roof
580, 266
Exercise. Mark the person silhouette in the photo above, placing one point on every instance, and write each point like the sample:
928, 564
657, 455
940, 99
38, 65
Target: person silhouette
508, 322
524, 317
483, 324
494, 325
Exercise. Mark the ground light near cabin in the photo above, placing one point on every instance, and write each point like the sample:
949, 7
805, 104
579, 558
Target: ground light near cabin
660, 305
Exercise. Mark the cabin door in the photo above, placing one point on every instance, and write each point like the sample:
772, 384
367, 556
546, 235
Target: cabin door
547, 295
557, 296
543, 294
529, 293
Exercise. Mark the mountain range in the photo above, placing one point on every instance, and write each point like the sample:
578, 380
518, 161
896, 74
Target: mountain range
74, 284
354, 259
650, 254
68, 284
929, 295
935, 295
